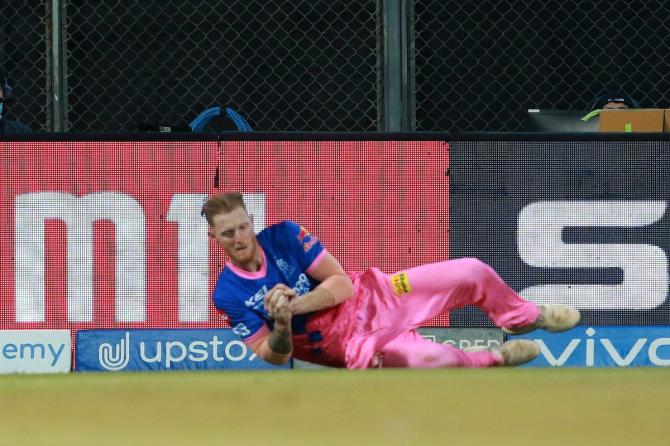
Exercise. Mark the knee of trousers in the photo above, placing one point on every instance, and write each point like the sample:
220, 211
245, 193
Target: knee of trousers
472, 271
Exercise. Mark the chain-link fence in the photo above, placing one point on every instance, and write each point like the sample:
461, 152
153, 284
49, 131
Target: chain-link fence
481, 65
300, 65
284, 65
23, 49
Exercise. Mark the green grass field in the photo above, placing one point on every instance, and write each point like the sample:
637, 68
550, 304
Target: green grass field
339, 407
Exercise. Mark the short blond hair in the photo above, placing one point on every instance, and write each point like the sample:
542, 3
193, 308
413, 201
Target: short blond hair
222, 203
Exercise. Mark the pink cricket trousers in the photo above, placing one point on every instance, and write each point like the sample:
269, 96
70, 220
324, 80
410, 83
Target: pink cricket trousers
387, 309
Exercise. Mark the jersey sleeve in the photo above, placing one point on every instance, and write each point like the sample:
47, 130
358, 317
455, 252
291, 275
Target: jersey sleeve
244, 322
305, 247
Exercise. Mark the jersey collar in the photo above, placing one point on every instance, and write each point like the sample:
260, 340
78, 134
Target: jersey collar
252, 275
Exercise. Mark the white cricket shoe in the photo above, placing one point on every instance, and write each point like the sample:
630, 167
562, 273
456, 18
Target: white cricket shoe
518, 352
552, 318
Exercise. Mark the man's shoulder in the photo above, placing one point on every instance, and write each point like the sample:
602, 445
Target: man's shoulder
280, 226
277, 231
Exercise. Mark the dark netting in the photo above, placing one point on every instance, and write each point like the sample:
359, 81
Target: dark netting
23, 53
481, 65
284, 65
313, 65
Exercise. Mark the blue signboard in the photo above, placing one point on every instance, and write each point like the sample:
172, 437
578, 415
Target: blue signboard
602, 346
133, 350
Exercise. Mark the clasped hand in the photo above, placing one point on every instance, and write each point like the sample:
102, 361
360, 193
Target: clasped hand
277, 301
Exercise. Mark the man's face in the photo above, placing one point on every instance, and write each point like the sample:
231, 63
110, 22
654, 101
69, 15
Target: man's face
615, 106
234, 231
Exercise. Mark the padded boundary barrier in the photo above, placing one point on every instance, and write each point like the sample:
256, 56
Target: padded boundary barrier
470, 188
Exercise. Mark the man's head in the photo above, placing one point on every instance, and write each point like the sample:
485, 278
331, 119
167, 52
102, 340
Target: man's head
614, 101
231, 226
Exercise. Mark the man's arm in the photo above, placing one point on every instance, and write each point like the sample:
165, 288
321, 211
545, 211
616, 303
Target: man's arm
280, 342
276, 347
335, 288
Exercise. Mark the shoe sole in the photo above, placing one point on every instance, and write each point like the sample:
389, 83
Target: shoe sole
518, 352
554, 327
572, 319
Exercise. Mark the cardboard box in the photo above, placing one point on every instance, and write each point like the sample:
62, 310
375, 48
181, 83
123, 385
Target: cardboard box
634, 120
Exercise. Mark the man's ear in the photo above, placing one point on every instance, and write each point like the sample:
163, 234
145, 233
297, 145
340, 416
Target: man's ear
251, 217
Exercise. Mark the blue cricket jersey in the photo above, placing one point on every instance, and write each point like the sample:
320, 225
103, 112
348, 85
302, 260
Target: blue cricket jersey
289, 250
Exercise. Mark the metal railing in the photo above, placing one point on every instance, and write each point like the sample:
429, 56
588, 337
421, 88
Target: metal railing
317, 65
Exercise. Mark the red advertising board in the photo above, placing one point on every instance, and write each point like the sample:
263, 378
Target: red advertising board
108, 234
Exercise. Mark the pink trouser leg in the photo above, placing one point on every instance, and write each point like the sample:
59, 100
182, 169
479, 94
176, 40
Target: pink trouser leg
412, 351
452, 284
439, 287
394, 305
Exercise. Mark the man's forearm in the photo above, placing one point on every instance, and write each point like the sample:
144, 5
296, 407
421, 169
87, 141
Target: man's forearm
329, 293
277, 346
280, 341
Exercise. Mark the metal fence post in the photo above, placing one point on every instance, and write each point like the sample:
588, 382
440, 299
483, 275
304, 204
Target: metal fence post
395, 75
56, 80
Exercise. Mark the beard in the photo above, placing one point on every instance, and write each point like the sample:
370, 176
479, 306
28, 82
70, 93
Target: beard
245, 255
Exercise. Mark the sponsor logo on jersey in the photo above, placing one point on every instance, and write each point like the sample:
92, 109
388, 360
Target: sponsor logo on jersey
401, 284
306, 239
256, 301
241, 330
284, 267
303, 234
309, 244
302, 286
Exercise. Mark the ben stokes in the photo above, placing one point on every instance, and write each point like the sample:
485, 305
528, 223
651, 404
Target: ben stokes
287, 296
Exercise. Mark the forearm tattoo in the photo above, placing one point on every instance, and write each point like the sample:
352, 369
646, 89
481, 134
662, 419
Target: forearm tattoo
280, 340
